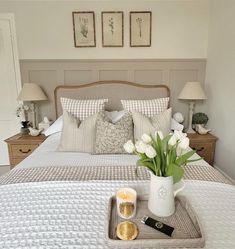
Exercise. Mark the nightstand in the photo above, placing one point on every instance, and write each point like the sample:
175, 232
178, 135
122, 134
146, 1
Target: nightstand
204, 145
20, 146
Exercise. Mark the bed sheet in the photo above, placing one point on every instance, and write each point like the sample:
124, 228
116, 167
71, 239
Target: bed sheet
47, 155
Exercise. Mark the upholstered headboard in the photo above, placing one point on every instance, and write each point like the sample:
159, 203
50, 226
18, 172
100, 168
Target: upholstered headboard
112, 90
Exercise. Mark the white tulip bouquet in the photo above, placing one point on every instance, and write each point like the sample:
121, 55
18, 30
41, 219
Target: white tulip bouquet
163, 156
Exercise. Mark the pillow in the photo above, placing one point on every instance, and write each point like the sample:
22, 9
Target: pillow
159, 122
115, 116
110, 137
82, 108
55, 127
147, 107
77, 135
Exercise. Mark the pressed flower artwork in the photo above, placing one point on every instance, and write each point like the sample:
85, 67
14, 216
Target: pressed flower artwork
84, 29
140, 28
112, 29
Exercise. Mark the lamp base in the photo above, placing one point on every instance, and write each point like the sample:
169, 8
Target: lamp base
190, 130
34, 114
190, 118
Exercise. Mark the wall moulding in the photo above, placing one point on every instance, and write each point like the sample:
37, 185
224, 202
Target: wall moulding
172, 72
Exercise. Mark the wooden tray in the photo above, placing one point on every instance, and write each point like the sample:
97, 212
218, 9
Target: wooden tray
187, 232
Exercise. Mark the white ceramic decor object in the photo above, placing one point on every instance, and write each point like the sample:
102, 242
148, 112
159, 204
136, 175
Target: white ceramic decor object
202, 130
34, 132
162, 195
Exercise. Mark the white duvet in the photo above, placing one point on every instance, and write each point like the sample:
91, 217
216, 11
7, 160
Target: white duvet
72, 214
47, 155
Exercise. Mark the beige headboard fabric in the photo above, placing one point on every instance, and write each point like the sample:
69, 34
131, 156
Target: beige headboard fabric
113, 90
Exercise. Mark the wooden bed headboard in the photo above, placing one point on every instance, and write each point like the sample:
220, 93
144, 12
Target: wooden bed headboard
113, 90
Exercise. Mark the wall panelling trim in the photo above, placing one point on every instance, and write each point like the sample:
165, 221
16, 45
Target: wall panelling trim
172, 72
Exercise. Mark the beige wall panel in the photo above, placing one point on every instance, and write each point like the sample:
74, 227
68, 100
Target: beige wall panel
172, 72
148, 76
73, 77
177, 82
113, 75
47, 79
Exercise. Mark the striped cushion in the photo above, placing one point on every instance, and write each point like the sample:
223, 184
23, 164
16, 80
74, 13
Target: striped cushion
147, 107
159, 122
77, 135
82, 108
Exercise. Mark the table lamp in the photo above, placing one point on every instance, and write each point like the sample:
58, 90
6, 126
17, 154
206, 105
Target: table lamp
32, 92
192, 91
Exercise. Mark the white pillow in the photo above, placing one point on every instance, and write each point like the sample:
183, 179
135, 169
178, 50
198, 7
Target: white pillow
83, 108
55, 127
115, 116
148, 108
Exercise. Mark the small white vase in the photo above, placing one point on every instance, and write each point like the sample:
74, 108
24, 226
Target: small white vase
162, 195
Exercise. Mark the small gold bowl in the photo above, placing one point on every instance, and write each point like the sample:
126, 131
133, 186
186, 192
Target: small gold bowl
127, 230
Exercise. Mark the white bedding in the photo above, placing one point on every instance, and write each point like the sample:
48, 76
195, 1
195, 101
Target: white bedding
72, 215
47, 155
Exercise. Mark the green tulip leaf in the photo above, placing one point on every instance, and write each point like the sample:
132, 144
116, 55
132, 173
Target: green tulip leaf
149, 165
175, 171
183, 159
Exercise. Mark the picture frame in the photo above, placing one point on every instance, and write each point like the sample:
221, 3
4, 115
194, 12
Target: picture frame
112, 28
84, 29
140, 28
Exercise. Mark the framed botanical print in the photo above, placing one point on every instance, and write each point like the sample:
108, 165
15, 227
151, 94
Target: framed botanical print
140, 28
84, 29
112, 28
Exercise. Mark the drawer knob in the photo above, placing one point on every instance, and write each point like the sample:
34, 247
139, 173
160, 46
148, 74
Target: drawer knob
25, 152
198, 150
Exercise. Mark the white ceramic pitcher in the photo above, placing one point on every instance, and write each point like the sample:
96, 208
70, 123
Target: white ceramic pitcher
162, 195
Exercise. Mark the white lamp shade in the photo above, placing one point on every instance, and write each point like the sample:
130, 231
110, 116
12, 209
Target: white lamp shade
31, 92
192, 91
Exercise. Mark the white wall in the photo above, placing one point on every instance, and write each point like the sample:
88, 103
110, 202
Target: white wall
44, 28
220, 81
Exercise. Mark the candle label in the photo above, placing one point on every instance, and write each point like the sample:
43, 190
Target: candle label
126, 209
126, 202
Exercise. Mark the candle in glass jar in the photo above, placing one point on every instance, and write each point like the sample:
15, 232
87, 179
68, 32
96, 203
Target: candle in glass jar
126, 203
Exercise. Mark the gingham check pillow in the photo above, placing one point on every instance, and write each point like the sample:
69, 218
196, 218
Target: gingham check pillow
82, 108
147, 107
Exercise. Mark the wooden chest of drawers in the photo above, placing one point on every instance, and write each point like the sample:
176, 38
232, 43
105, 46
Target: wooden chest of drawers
204, 146
20, 146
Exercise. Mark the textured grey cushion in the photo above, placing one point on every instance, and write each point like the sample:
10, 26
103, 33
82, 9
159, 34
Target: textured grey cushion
77, 135
159, 122
110, 137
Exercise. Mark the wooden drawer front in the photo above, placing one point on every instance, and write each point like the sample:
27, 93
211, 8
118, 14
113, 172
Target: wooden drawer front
205, 150
202, 147
22, 150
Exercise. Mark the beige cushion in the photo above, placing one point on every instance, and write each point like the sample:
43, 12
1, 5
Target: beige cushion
111, 137
77, 135
159, 122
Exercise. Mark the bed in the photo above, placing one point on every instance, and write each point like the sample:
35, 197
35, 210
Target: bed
59, 199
